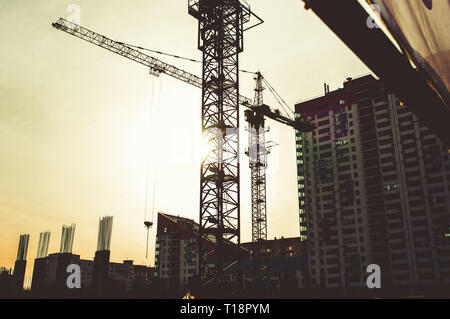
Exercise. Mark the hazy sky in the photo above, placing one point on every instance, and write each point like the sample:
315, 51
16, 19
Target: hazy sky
75, 130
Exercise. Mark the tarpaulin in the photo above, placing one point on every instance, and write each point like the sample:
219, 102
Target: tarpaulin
421, 27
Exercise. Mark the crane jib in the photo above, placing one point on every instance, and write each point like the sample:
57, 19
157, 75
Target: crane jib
159, 66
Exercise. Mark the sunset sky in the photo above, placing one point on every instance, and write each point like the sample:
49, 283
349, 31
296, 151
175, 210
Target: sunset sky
76, 131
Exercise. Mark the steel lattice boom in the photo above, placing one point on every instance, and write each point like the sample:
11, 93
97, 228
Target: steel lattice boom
122, 49
157, 66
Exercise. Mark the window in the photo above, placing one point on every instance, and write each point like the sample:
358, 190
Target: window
391, 187
383, 116
385, 133
323, 115
325, 130
348, 241
405, 119
344, 142
384, 124
386, 151
323, 123
381, 107
381, 99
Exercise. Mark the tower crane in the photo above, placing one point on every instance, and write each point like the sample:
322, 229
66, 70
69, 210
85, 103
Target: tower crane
220, 173
257, 153
221, 28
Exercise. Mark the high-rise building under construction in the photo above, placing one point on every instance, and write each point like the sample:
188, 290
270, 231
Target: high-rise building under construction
374, 188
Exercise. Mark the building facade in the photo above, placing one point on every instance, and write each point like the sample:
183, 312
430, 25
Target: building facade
279, 260
374, 188
6, 280
277, 248
176, 259
49, 275
129, 277
176, 253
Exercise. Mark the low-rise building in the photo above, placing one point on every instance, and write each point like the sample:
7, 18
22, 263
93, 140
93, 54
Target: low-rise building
50, 274
6, 279
176, 259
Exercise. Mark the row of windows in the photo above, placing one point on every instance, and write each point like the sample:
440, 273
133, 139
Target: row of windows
391, 187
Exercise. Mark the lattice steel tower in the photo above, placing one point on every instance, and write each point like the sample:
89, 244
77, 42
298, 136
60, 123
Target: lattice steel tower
257, 154
220, 38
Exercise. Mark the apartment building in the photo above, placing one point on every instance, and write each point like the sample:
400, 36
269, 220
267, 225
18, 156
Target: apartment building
176, 255
374, 188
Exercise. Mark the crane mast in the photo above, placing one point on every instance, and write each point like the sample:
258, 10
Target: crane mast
220, 39
257, 154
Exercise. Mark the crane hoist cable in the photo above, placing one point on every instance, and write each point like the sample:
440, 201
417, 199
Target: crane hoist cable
172, 55
148, 156
153, 135
148, 224
151, 120
278, 97
161, 53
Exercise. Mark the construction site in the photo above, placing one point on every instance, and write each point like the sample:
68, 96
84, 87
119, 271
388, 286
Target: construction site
222, 194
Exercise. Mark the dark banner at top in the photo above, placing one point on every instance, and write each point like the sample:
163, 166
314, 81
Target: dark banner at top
422, 27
